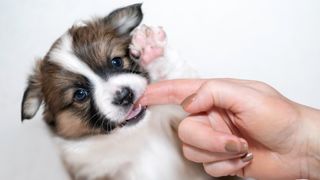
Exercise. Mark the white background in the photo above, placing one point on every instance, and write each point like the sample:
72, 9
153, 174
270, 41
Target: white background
276, 41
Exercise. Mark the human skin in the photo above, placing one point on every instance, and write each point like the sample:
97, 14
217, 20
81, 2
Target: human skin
230, 118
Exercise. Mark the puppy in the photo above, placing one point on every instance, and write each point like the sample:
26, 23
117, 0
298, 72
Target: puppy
90, 81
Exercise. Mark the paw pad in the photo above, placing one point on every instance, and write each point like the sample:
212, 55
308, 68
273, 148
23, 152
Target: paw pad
148, 43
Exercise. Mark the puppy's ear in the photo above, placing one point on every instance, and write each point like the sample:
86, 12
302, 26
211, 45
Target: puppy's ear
32, 96
125, 19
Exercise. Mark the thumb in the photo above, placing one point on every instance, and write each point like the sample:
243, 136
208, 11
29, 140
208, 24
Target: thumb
214, 93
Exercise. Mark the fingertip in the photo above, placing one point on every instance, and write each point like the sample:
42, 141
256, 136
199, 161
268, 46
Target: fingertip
196, 103
148, 96
227, 167
187, 101
244, 145
247, 158
193, 103
143, 101
236, 145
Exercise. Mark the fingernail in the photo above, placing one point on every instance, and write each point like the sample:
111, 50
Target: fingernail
188, 100
244, 146
248, 157
231, 146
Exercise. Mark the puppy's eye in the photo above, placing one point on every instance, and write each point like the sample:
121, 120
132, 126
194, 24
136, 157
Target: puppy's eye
80, 95
117, 62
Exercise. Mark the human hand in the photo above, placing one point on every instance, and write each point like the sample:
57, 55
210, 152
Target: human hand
229, 118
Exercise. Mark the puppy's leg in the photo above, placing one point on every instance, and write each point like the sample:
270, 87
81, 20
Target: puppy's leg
149, 45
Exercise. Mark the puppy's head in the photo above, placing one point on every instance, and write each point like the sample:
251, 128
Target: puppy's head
88, 81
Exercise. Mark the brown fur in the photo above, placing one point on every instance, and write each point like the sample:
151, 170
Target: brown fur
58, 86
98, 42
69, 125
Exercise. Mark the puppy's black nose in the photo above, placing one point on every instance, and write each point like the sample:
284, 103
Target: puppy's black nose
124, 97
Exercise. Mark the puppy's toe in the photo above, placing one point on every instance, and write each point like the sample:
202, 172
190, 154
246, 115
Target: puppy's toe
148, 43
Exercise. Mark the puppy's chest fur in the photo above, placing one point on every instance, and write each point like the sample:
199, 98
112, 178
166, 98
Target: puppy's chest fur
149, 152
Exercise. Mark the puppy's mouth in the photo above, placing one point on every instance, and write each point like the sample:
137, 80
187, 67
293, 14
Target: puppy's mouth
134, 115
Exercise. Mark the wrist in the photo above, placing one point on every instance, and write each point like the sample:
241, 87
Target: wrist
309, 133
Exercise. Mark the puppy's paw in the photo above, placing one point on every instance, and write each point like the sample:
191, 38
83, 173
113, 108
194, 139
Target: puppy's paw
148, 44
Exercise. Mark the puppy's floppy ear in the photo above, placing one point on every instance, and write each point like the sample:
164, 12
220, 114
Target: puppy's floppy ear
32, 96
125, 19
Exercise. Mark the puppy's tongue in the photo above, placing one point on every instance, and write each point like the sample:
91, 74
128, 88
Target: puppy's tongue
134, 111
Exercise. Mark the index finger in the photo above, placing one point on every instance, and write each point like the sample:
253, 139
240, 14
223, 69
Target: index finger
170, 91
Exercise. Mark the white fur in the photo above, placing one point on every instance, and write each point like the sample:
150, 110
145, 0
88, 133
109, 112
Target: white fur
170, 66
148, 150
133, 81
64, 56
31, 106
104, 89
125, 23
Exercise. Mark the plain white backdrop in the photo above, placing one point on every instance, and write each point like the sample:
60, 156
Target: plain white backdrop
276, 41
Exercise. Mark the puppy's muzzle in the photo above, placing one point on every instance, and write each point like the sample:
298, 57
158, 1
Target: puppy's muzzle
124, 97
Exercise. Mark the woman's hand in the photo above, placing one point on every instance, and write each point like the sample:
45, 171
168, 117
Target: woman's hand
243, 127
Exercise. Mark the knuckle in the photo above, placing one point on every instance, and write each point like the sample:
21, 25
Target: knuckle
209, 84
187, 153
183, 129
259, 84
190, 154
215, 170
208, 168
